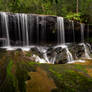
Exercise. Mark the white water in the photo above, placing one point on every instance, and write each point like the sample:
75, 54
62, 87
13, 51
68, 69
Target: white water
61, 38
37, 21
69, 55
10, 48
74, 61
43, 51
86, 51
73, 31
82, 32
24, 23
82, 40
61, 31
4, 18
38, 59
43, 27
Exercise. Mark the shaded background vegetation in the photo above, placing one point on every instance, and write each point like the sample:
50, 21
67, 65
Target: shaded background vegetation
80, 10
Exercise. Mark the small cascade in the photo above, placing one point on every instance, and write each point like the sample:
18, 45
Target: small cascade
61, 32
61, 38
82, 32
43, 51
73, 31
4, 23
86, 50
82, 40
38, 59
69, 55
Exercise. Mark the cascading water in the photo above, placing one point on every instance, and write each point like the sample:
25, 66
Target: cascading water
37, 21
24, 24
69, 55
43, 27
23, 30
82, 40
86, 51
73, 31
61, 32
61, 38
82, 32
43, 51
4, 19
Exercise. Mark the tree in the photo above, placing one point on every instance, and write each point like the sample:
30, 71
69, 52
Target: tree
77, 6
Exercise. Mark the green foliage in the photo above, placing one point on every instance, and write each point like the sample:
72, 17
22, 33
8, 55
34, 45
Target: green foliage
74, 16
77, 17
65, 8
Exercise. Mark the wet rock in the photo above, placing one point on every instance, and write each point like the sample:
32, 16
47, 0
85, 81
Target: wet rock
36, 51
2, 50
61, 58
19, 49
59, 54
77, 51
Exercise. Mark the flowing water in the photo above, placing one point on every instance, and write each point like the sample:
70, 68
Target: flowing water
61, 38
4, 23
86, 50
73, 31
82, 32
61, 32
26, 29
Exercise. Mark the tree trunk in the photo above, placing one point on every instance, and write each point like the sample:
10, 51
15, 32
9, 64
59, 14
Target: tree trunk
77, 6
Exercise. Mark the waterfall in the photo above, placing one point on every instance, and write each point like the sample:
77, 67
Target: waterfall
24, 24
26, 27
61, 38
43, 51
73, 31
26, 30
82, 32
38, 31
88, 32
18, 20
43, 28
86, 50
69, 55
4, 23
60, 29
82, 40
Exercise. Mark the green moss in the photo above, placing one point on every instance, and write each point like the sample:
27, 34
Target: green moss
80, 68
28, 54
12, 81
22, 76
31, 63
71, 81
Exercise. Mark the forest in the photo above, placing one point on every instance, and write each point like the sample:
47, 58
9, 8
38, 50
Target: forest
78, 10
